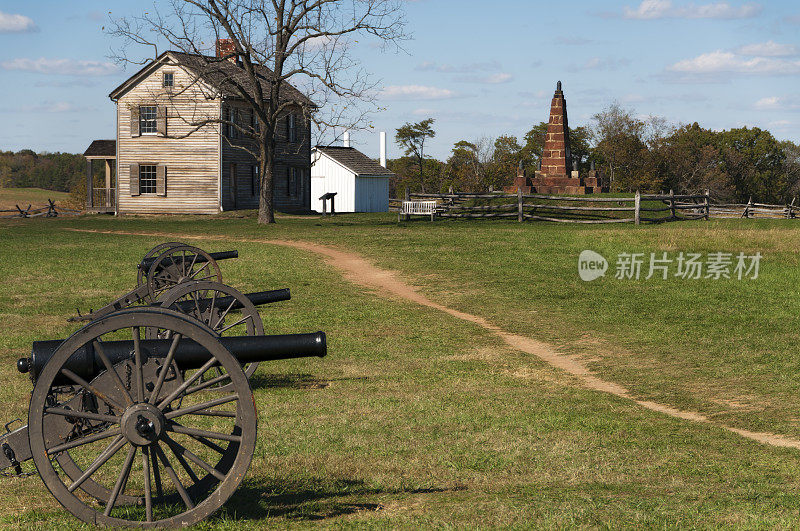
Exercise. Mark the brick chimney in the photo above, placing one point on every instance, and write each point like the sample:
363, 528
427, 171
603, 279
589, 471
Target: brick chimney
556, 156
226, 47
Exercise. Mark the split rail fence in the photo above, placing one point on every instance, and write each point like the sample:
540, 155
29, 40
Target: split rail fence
49, 211
654, 208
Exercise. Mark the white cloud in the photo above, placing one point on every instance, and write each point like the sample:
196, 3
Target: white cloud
721, 62
597, 63
769, 49
777, 103
16, 23
430, 66
658, 9
416, 92
491, 79
61, 66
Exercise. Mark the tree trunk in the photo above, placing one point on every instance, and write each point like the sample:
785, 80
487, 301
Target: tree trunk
266, 212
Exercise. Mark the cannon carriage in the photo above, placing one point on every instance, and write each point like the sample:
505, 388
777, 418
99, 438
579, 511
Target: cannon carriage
145, 417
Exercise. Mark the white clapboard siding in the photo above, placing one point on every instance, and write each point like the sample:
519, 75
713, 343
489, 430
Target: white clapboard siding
193, 172
372, 193
361, 193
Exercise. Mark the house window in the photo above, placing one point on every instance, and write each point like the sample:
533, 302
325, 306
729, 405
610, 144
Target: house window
230, 117
148, 115
169, 79
147, 179
293, 182
291, 127
255, 180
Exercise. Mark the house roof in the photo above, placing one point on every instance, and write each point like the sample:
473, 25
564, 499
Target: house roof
354, 160
221, 74
106, 149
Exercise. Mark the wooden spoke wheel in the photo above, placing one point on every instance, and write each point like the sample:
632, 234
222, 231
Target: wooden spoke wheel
223, 309
154, 252
177, 265
149, 444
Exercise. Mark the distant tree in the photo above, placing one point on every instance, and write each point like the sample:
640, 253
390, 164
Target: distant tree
691, 163
754, 160
412, 137
505, 161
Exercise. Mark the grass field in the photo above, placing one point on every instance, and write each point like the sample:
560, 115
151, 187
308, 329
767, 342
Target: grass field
417, 418
37, 197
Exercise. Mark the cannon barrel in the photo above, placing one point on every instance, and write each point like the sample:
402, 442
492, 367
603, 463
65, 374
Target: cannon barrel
258, 298
222, 255
188, 355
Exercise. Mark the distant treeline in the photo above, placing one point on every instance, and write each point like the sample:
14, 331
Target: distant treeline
63, 172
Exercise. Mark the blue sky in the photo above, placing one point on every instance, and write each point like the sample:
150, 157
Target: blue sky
478, 70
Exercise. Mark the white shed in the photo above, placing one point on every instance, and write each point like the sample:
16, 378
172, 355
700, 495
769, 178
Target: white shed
360, 183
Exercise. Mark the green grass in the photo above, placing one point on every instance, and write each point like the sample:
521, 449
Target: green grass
37, 197
419, 419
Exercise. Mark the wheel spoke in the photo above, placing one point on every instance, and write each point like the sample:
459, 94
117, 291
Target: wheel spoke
199, 373
83, 440
193, 262
209, 413
92, 389
202, 440
178, 449
156, 473
174, 477
64, 412
222, 316
178, 428
119, 486
110, 368
107, 454
240, 321
165, 367
198, 271
137, 356
208, 383
148, 495
202, 405
182, 461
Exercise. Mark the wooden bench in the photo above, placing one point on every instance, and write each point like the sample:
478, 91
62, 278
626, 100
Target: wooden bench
421, 208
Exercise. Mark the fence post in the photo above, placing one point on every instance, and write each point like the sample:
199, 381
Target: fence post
789, 209
637, 202
746, 213
520, 217
408, 198
708, 206
672, 204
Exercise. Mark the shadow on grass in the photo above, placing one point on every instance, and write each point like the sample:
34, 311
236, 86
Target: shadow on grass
309, 499
293, 381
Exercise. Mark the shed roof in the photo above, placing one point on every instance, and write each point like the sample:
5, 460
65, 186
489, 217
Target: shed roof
354, 160
106, 149
221, 74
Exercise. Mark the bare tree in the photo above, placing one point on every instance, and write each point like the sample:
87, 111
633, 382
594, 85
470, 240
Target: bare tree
275, 43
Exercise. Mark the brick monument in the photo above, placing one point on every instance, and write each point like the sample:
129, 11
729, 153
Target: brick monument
554, 175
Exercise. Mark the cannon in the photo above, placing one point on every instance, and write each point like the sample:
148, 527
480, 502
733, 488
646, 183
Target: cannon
144, 427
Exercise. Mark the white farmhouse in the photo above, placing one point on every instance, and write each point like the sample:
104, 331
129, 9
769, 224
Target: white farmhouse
360, 183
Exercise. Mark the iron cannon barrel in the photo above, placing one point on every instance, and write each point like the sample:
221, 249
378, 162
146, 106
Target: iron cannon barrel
258, 298
189, 355
199, 259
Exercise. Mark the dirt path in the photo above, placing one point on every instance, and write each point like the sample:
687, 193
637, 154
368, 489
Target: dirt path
359, 271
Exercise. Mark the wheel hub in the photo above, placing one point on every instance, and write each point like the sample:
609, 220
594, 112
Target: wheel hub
143, 424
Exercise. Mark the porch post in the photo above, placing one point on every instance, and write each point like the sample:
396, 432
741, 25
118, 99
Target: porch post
89, 191
107, 193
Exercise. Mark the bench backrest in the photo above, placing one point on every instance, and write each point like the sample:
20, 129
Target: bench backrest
419, 207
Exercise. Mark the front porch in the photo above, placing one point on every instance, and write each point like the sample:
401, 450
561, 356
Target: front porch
101, 199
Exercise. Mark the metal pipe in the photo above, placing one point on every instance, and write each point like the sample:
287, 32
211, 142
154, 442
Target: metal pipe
258, 298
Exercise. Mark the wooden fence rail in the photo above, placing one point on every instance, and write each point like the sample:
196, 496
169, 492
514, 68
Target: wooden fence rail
49, 211
563, 209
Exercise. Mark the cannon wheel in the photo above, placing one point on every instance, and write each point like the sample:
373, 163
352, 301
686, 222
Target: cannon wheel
155, 251
145, 426
177, 265
200, 297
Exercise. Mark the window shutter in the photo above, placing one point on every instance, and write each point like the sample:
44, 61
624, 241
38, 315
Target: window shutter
288, 127
161, 121
134, 179
161, 180
135, 121
224, 127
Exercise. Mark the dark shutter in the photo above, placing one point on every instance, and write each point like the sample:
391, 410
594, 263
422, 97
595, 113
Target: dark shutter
161, 180
225, 117
288, 127
134, 178
161, 121
254, 177
135, 121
